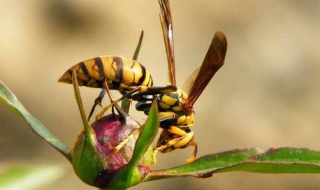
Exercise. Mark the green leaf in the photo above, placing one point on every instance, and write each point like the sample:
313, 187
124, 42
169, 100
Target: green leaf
27, 177
137, 51
11, 101
125, 103
146, 136
274, 160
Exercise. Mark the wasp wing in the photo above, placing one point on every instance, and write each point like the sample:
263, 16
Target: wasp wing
166, 23
212, 62
190, 81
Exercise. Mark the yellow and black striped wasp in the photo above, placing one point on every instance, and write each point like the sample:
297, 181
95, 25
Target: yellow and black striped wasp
118, 72
125, 75
176, 132
135, 82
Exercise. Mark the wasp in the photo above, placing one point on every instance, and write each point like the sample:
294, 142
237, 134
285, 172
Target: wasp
135, 82
179, 104
119, 73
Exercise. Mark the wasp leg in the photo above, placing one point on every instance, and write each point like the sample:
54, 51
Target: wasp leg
173, 138
122, 114
161, 145
195, 150
105, 109
154, 158
185, 138
167, 147
97, 101
126, 103
155, 90
112, 104
126, 140
137, 93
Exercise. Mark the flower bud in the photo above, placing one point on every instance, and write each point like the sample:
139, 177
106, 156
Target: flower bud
95, 160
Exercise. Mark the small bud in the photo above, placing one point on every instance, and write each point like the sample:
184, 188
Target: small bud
94, 158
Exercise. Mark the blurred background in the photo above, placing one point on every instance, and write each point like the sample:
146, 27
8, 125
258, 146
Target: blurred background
266, 95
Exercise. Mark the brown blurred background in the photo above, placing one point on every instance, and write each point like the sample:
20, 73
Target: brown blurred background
266, 95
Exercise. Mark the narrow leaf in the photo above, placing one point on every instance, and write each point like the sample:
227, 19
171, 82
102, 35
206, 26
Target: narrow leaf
137, 51
11, 101
275, 160
125, 103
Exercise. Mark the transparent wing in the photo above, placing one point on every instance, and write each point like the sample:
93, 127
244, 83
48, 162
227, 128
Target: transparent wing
190, 81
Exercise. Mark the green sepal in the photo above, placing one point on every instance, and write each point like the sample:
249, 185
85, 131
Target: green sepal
87, 159
130, 175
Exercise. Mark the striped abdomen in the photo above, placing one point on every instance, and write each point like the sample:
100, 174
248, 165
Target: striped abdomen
119, 73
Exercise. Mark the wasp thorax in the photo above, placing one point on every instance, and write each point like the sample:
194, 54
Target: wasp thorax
172, 101
182, 95
94, 157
